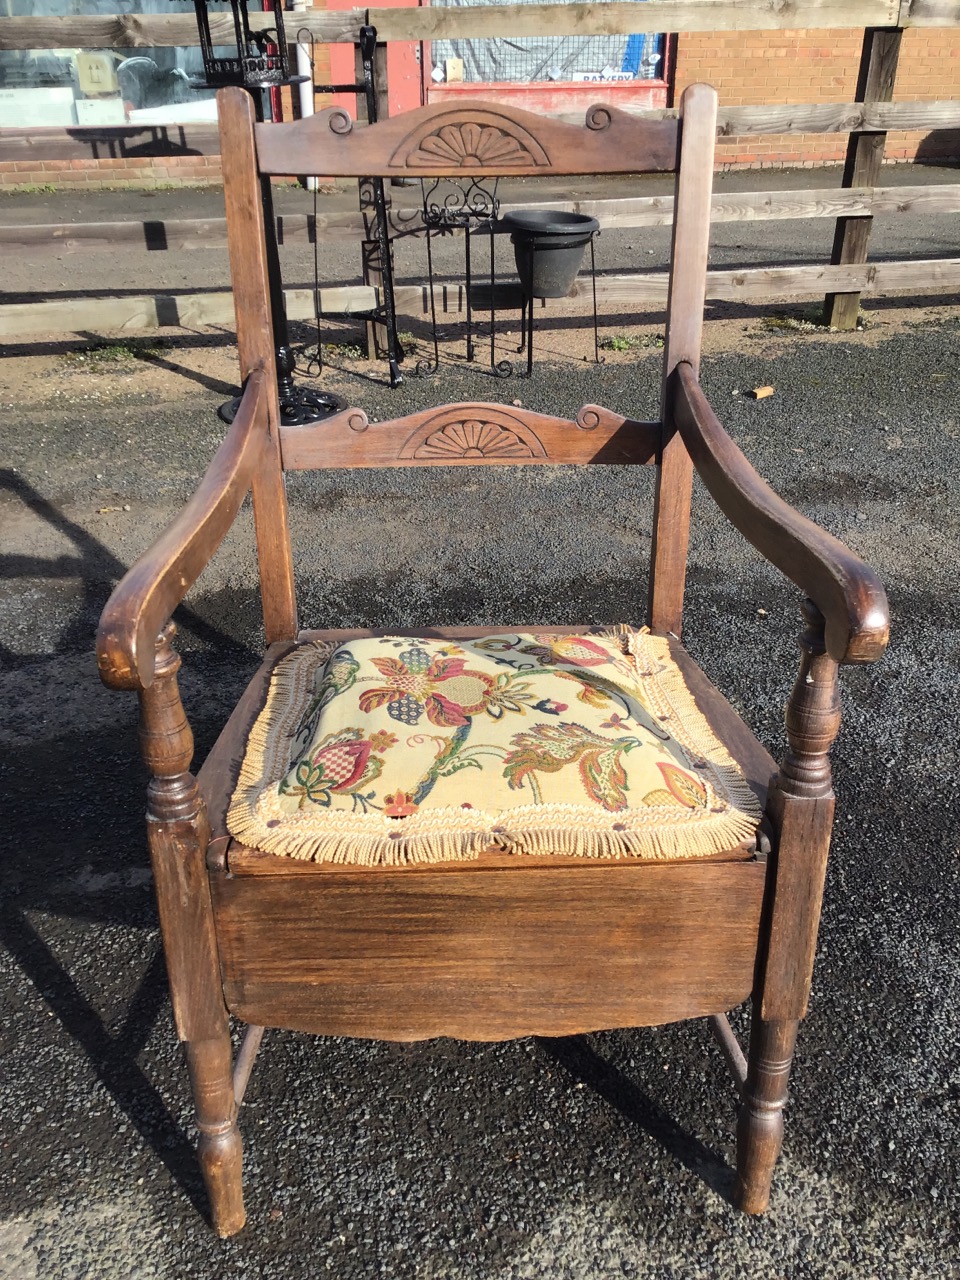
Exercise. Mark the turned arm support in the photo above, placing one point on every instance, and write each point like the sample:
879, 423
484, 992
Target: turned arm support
845, 590
152, 588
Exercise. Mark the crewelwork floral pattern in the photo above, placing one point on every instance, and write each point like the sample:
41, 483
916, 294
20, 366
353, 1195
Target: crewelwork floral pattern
341, 764
551, 747
514, 740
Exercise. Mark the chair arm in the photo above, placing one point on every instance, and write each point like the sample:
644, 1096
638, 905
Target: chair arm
845, 590
146, 597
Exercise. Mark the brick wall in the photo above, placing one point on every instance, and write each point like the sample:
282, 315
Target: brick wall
929, 69
755, 67
186, 171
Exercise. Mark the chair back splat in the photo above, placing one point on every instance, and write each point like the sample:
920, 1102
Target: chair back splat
477, 141
472, 833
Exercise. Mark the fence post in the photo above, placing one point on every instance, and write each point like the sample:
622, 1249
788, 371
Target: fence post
875, 81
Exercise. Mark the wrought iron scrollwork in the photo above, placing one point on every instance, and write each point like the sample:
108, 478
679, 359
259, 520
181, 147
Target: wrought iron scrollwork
461, 202
449, 205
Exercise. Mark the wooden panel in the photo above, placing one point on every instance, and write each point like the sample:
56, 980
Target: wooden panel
684, 329
150, 311
157, 30
37, 145
761, 206
753, 283
473, 138
117, 31
245, 195
85, 237
837, 117
488, 955
485, 21
468, 434
875, 82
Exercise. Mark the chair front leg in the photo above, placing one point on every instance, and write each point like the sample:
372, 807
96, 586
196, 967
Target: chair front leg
178, 834
802, 805
760, 1127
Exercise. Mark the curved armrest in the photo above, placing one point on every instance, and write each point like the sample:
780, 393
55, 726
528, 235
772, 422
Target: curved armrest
844, 589
153, 587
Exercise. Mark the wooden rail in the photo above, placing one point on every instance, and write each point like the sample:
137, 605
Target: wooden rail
162, 30
627, 213
633, 292
135, 31
202, 139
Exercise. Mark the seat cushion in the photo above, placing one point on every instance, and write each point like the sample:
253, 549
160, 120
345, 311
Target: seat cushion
398, 750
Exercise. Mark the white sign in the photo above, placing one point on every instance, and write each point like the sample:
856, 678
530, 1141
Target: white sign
600, 77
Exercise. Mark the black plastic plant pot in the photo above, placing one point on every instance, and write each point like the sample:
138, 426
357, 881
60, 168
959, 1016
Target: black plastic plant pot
548, 247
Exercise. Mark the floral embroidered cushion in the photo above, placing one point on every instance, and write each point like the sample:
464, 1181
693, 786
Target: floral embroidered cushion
390, 750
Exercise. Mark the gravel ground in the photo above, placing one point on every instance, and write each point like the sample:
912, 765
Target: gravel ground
602, 1156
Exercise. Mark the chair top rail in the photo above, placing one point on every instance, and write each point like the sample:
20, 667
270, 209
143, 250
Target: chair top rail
482, 139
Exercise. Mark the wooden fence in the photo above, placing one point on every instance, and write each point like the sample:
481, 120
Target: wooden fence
866, 120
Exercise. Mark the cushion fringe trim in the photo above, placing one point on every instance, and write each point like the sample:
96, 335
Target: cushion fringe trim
451, 835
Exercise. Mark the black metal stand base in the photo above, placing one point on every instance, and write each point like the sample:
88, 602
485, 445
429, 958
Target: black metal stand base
296, 410
299, 406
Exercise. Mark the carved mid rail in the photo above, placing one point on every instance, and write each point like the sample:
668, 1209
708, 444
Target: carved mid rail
464, 434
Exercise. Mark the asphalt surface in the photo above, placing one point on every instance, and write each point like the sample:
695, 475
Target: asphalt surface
602, 1156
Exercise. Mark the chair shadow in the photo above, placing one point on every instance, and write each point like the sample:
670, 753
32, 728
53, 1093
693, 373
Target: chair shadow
575, 1056
95, 566
113, 1057
29, 884
144, 355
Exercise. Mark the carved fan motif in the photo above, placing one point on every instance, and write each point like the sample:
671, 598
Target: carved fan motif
478, 143
476, 439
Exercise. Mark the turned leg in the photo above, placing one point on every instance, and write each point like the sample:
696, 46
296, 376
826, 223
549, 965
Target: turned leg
801, 803
219, 1149
178, 834
760, 1128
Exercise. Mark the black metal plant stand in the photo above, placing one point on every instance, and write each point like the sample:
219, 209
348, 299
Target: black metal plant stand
258, 63
299, 406
471, 207
387, 308
372, 194
548, 250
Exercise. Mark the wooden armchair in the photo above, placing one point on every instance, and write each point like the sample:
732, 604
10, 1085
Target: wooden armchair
507, 936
